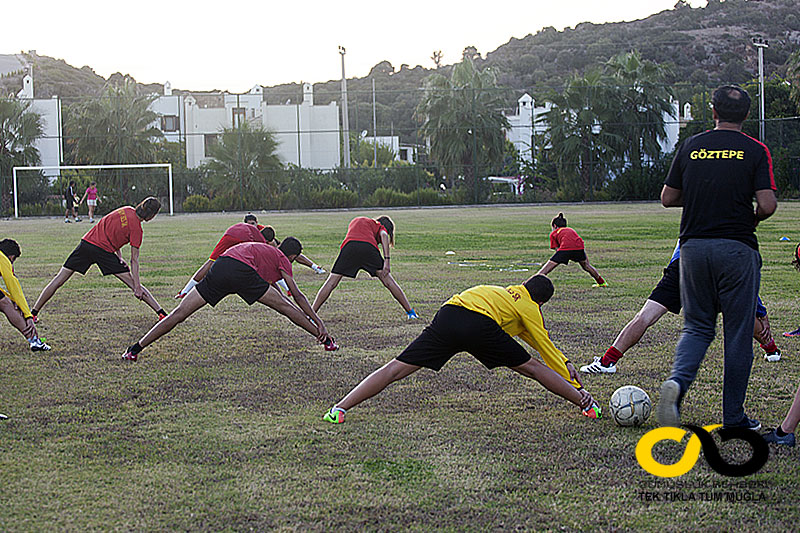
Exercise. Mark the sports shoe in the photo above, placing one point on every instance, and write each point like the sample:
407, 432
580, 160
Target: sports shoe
795, 333
747, 423
38, 345
668, 414
77, 219
773, 356
596, 367
91, 221
604, 284
317, 269
130, 356
594, 412
773, 437
3, 417
412, 315
334, 416
161, 317
330, 344
67, 221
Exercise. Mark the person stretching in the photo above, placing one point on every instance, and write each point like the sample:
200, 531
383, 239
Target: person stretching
569, 247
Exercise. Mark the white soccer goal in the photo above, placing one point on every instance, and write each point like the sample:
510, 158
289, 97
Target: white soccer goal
168, 166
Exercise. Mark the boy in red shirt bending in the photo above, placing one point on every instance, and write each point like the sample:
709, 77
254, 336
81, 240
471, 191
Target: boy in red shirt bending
569, 247
247, 269
101, 245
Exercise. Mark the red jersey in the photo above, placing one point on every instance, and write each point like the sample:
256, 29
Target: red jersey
364, 229
236, 234
116, 229
266, 260
565, 239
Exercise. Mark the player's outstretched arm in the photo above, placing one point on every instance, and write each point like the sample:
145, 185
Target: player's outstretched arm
302, 302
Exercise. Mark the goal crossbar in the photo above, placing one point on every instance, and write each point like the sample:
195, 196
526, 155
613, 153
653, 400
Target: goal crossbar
168, 166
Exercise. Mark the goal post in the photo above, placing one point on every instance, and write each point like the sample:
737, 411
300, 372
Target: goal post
167, 166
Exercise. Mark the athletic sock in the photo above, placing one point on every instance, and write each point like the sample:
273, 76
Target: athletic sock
189, 286
611, 357
34, 312
334, 409
135, 349
161, 312
770, 348
780, 432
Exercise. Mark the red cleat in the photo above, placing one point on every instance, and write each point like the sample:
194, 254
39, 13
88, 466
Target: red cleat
330, 345
129, 356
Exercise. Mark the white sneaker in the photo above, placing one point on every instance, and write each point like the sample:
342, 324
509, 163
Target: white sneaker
67, 221
38, 345
773, 356
667, 410
596, 367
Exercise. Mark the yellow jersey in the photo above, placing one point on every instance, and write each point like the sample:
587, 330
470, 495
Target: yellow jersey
13, 288
518, 315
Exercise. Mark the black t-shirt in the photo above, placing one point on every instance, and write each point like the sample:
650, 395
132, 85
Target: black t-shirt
718, 172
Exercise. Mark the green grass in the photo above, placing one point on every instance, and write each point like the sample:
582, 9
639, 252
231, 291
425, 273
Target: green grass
218, 426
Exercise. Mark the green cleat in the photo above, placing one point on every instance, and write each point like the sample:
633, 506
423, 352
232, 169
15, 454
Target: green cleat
334, 416
594, 412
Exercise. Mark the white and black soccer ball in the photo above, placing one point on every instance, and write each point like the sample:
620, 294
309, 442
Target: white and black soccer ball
630, 406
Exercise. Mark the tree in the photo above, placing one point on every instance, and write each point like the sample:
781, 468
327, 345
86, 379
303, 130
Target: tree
793, 75
644, 101
437, 58
582, 148
244, 162
461, 118
362, 153
116, 128
20, 127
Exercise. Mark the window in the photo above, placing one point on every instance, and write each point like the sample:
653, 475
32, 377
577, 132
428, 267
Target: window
209, 141
170, 123
238, 117
403, 154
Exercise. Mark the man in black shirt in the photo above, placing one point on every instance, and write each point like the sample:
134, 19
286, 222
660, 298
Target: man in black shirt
714, 177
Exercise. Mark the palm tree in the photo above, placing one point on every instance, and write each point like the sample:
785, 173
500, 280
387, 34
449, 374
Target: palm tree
116, 128
580, 145
643, 101
462, 119
244, 161
793, 75
20, 127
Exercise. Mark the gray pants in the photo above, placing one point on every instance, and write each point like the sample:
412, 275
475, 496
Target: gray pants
718, 275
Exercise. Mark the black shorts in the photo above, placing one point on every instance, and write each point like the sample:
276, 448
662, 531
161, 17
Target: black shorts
355, 256
70, 202
87, 254
457, 329
668, 290
231, 276
563, 257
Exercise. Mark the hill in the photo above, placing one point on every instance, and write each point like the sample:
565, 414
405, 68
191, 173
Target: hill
704, 46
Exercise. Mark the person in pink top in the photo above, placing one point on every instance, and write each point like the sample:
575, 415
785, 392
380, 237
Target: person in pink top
91, 199
101, 245
361, 250
249, 269
569, 247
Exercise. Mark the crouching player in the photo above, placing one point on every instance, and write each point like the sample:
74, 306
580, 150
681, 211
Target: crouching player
247, 231
482, 321
12, 302
666, 296
247, 269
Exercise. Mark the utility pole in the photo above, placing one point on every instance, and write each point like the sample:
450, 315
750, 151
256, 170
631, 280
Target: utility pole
761, 43
374, 129
345, 119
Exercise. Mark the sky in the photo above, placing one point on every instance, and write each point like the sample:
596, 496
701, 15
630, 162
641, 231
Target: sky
235, 45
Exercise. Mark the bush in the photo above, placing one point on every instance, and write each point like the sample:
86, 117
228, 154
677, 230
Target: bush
429, 197
196, 203
223, 202
332, 198
384, 197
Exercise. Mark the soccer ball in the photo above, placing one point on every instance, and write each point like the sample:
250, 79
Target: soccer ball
630, 406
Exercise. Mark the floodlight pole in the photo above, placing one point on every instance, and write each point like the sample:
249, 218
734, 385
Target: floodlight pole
345, 116
761, 43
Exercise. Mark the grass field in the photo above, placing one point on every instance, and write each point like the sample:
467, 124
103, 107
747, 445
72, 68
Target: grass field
218, 426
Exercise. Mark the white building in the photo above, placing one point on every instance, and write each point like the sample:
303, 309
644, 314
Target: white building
49, 145
526, 120
402, 152
307, 135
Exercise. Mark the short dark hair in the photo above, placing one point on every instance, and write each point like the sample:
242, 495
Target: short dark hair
148, 208
732, 103
387, 223
10, 247
559, 221
268, 233
290, 246
250, 217
540, 288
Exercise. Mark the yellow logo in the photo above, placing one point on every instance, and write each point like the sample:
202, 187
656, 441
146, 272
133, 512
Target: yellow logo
701, 439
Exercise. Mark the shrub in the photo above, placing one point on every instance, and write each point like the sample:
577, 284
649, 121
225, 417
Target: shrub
196, 203
383, 197
333, 197
223, 202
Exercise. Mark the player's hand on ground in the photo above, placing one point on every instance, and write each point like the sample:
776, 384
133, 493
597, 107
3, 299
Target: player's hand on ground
586, 399
574, 373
